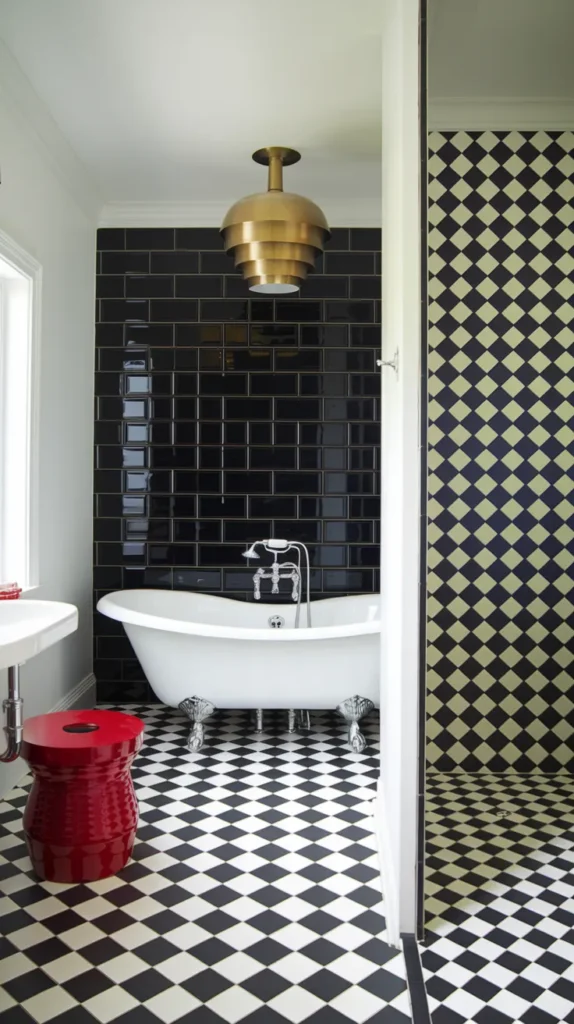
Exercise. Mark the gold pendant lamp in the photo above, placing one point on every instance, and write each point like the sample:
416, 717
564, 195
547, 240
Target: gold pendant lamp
275, 236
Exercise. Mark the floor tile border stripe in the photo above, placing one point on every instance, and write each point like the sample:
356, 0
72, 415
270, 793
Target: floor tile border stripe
415, 980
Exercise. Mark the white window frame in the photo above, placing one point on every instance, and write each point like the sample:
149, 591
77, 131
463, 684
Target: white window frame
20, 319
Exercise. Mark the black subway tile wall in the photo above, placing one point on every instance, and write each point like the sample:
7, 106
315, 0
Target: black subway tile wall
223, 418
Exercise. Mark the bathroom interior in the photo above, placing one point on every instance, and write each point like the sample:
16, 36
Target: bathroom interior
289, 734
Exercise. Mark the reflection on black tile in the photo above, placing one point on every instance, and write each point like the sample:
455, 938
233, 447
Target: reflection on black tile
198, 238
173, 310
150, 238
149, 287
272, 506
349, 263
173, 263
223, 417
366, 238
299, 310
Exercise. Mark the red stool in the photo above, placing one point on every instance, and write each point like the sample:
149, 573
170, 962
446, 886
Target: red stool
81, 816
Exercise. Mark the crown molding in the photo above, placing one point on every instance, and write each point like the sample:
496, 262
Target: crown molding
499, 113
26, 107
357, 213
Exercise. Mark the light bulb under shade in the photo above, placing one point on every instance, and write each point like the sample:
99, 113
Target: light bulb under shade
279, 288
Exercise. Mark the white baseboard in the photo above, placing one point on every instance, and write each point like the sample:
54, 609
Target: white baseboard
82, 695
388, 882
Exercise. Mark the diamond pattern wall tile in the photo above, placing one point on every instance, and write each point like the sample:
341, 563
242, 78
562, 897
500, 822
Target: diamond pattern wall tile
501, 452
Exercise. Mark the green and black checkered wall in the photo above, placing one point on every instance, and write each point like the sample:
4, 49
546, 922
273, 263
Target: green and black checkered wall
501, 452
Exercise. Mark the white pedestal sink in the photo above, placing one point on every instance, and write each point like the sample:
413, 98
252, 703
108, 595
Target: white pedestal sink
27, 628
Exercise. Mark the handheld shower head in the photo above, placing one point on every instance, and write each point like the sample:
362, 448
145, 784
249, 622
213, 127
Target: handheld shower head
251, 552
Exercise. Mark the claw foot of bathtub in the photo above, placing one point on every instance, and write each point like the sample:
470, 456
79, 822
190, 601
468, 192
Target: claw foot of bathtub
258, 721
352, 710
304, 720
291, 720
197, 709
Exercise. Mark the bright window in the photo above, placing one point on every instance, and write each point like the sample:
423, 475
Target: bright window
20, 282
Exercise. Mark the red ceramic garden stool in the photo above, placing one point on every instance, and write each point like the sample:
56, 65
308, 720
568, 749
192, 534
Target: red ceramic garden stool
81, 816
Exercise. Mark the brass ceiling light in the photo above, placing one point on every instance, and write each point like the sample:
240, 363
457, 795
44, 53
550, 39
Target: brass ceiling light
275, 236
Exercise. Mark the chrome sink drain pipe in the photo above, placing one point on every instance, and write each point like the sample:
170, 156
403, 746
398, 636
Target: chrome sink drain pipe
13, 708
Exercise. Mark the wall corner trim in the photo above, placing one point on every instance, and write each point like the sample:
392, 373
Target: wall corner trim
83, 694
388, 881
504, 113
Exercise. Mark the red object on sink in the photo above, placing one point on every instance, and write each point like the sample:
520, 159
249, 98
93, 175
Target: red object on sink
9, 591
81, 816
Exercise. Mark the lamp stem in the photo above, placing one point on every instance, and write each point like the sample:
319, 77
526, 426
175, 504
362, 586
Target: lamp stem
275, 183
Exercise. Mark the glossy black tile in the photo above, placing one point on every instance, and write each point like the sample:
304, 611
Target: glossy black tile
350, 312
224, 309
174, 263
247, 483
366, 238
324, 384
244, 531
220, 554
272, 506
192, 483
199, 287
248, 408
365, 288
189, 335
149, 287
274, 334
217, 263
198, 238
235, 433
273, 458
256, 416
231, 505
122, 310
325, 336
150, 238
154, 335
109, 335
349, 263
124, 262
110, 286
173, 310
274, 384
254, 359
197, 530
223, 384
299, 310
111, 238
345, 532
283, 433
363, 336
323, 433
298, 483
186, 358
298, 408
321, 286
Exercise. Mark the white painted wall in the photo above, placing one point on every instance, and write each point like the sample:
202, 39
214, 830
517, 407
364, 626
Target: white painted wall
39, 212
396, 809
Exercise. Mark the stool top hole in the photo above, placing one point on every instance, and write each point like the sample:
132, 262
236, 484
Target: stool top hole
80, 727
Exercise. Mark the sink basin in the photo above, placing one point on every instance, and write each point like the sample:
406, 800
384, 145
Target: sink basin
28, 627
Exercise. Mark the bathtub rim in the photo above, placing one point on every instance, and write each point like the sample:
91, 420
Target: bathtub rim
114, 609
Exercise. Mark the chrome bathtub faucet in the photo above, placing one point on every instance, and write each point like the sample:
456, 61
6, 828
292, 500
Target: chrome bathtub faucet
277, 572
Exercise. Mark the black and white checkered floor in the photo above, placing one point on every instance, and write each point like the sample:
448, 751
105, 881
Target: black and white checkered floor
253, 896
500, 899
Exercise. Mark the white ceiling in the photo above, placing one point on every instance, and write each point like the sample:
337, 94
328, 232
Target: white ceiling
165, 100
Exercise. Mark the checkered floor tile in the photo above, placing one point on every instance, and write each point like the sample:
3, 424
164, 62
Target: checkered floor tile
500, 899
253, 894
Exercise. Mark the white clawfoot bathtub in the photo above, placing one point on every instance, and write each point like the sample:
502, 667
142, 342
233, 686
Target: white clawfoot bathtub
227, 651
